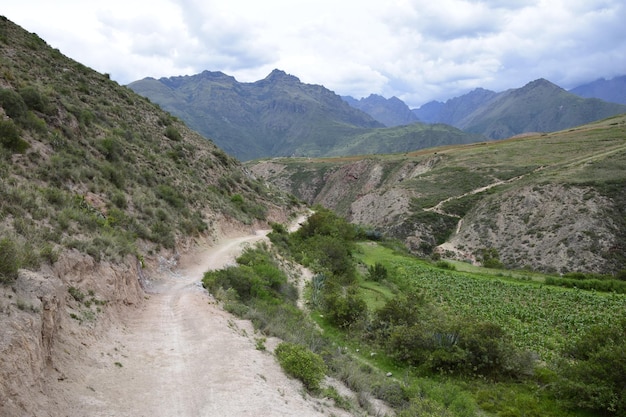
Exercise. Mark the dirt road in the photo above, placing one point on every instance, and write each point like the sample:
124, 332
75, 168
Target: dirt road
182, 355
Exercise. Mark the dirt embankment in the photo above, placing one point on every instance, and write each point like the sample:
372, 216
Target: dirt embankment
168, 351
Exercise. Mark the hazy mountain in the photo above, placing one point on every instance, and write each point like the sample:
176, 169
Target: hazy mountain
539, 106
278, 115
613, 90
390, 112
455, 109
429, 112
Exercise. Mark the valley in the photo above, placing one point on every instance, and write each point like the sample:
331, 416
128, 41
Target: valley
437, 272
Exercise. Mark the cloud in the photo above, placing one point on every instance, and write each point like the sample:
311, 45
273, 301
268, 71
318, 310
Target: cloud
417, 50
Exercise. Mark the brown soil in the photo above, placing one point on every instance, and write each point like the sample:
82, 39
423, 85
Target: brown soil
182, 355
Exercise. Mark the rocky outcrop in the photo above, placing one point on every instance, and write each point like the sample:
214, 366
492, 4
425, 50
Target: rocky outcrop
552, 227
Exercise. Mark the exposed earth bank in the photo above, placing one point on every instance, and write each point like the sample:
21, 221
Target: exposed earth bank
175, 352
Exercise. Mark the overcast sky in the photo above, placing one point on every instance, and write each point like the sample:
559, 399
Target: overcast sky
417, 50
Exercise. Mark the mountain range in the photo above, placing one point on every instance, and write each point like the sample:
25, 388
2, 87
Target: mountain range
539, 106
281, 116
390, 112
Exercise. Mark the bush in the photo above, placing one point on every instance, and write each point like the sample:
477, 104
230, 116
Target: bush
172, 133
34, 100
593, 375
301, 363
13, 104
377, 272
343, 306
10, 137
9, 260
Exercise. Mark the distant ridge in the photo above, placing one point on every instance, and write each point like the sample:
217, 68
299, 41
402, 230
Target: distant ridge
539, 106
613, 90
390, 112
272, 116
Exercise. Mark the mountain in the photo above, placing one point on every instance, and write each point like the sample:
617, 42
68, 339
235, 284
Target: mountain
100, 192
390, 112
429, 112
552, 202
281, 116
539, 106
453, 111
613, 90
278, 115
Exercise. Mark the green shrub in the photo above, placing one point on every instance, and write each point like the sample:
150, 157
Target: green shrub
9, 260
301, 363
343, 306
13, 104
10, 137
593, 373
377, 272
34, 100
172, 133
170, 195
76, 294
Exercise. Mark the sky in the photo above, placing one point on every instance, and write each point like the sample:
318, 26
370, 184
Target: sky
416, 50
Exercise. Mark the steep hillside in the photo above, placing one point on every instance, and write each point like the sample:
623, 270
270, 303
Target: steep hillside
539, 106
278, 115
550, 202
613, 90
98, 189
390, 112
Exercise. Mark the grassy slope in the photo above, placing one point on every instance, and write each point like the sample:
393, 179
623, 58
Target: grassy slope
105, 171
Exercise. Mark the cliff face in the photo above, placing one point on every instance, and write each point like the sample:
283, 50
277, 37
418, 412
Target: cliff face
550, 203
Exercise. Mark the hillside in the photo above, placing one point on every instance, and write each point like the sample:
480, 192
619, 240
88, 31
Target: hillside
281, 116
539, 106
100, 190
550, 202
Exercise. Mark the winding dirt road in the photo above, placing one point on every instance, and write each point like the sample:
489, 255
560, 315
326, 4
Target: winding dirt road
182, 355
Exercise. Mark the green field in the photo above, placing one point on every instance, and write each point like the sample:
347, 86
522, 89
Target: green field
539, 318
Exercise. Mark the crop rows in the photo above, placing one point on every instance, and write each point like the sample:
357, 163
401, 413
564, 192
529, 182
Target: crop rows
539, 318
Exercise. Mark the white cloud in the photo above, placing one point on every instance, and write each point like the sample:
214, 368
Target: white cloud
417, 50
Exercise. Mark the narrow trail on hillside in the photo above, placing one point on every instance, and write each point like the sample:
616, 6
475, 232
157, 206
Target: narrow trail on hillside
439, 207
182, 355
